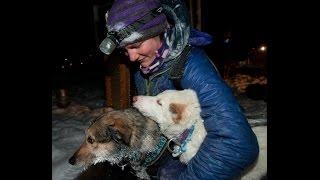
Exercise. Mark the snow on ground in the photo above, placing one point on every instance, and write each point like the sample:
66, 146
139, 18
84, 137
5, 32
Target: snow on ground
68, 128
255, 110
67, 134
69, 124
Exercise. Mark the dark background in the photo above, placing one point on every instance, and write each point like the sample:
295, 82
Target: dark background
81, 27
50, 33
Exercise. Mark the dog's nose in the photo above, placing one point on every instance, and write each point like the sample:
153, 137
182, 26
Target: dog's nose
135, 98
72, 160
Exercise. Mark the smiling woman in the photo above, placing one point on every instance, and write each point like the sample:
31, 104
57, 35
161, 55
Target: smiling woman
179, 55
144, 52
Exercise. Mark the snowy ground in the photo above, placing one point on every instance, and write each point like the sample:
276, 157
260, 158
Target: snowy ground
69, 124
68, 127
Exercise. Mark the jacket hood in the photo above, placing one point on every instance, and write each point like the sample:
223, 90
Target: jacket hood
180, 32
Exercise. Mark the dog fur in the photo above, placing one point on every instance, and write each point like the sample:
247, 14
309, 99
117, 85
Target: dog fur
175, 111
118, 135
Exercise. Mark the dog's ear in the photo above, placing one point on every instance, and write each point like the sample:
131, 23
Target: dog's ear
114, 134
177, 110
99, 113
120, 132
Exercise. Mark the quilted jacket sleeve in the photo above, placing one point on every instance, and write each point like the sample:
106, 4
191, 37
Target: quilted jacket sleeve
230, 145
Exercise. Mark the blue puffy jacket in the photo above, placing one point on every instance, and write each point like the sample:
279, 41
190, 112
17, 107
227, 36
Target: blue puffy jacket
230, 145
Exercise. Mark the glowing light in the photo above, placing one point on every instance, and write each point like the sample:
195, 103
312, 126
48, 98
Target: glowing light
81, 62
263, 48
66, 59
62, 67
70, 64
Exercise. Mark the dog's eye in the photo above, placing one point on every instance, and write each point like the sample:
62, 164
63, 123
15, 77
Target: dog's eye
90, 140
159, 102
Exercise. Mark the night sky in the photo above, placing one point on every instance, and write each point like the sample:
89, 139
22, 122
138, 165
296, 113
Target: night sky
247, 22
76, 27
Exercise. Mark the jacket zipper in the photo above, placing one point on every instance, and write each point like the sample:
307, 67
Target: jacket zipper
148, 82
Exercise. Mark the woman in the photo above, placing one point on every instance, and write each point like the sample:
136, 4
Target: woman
157, 35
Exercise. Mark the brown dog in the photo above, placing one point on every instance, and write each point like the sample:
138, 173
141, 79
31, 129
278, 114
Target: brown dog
121, 135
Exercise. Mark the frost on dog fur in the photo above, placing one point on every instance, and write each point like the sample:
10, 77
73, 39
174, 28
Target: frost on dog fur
175, 111
119, 135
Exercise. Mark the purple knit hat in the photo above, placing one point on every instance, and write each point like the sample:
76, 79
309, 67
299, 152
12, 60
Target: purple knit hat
126, 12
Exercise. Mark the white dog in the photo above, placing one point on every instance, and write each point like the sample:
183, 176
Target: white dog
175, 111
178, 116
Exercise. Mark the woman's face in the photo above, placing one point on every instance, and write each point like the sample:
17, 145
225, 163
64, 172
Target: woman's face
144, 52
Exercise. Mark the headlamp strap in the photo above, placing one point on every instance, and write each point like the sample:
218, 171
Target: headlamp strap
125, 32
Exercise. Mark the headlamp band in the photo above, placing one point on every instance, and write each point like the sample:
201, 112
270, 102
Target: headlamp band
125, 32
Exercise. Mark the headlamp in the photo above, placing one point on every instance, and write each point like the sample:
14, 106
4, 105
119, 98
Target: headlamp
108, 45
113, 38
